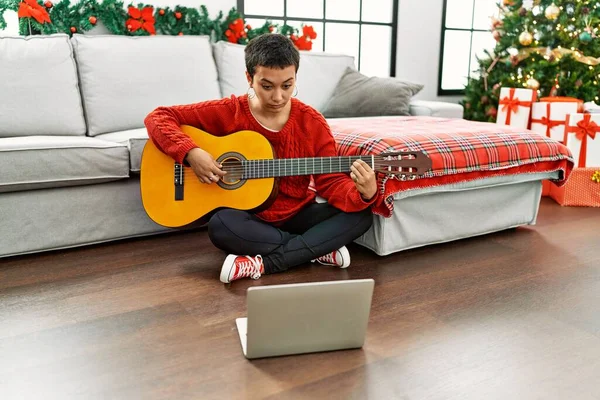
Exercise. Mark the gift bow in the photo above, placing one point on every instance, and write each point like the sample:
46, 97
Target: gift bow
545, 120
511, 105
582, 130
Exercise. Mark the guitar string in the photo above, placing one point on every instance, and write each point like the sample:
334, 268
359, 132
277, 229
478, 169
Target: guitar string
258, 164
292, 167
189, 172
197, 182
255, 175
258, 167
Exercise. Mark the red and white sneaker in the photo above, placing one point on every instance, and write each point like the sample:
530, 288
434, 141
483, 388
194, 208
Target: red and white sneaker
339, 258
236, 267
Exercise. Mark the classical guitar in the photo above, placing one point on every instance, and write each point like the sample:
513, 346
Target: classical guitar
173, 196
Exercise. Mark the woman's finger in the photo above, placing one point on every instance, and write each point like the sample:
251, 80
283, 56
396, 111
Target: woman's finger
218, 172
357, 173
210, 178
362, 167
217, 169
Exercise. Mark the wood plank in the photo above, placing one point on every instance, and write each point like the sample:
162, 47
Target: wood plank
507, 315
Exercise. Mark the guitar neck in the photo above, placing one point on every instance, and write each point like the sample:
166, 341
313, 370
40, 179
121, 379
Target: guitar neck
254, 169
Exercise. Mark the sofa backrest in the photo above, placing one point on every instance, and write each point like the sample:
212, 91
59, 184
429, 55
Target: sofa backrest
123, 78
39, 91
318, 75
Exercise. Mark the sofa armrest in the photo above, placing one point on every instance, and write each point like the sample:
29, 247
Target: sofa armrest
436, 109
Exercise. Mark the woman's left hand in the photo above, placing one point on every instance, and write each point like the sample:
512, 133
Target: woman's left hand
364, 178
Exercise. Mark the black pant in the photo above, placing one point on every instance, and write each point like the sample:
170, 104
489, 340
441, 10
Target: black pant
316, 230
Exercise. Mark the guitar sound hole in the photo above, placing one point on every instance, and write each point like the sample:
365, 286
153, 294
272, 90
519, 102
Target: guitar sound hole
234, 170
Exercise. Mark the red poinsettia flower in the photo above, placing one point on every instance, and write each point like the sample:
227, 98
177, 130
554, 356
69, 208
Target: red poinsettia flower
31, 9
237, 26
303, 43
231, 37
309, 31
141, 19
235, 31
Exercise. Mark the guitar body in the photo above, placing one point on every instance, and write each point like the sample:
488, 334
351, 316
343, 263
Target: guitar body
196, 201
173, 196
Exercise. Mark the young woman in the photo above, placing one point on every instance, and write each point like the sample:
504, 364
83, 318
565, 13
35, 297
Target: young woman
295, 229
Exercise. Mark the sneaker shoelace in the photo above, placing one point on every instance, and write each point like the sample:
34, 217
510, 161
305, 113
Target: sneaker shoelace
328, 258
250, 267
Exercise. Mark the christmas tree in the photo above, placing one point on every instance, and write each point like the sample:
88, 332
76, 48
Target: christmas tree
551, 46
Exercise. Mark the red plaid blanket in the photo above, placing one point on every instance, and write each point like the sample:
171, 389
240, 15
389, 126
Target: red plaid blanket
460, 150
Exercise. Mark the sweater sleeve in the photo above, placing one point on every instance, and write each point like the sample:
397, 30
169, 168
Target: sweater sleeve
163, 124
338, 188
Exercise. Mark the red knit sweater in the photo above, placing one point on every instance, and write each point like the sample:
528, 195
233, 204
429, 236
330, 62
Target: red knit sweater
306, 134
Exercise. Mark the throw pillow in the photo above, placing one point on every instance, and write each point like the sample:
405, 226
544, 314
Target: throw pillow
357, 95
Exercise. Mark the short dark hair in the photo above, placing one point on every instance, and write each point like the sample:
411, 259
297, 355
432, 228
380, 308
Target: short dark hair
271, 50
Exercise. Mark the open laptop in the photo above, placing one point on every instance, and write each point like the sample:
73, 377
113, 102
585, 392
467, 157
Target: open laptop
305, 317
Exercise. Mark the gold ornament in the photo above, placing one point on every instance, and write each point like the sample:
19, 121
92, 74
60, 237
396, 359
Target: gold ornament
552, 11
525, 38
532, 83
596, 177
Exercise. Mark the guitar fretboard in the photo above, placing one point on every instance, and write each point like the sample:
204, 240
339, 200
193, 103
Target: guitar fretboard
254, 169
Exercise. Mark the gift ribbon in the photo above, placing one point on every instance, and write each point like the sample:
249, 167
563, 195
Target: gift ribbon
547, 121
582, 130
511, 105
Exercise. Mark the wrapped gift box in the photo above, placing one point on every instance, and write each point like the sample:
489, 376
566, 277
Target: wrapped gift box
549, 118
564, 99
514, 107
581, 189
582, 137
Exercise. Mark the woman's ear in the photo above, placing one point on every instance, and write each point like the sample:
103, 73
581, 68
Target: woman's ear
248, 78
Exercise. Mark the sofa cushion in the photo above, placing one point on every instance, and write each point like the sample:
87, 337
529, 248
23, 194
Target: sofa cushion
317, 77
37, 162
124, 78
358, 95
39, 92
229, 58
134, 139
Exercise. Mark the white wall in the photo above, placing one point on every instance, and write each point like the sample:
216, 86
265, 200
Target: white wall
418, 45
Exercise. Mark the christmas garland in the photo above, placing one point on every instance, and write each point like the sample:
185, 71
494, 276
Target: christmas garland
42, 18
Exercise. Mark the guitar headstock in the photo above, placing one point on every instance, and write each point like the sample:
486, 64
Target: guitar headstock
403, 165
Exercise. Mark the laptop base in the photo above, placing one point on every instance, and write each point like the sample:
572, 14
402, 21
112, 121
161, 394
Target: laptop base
242, 328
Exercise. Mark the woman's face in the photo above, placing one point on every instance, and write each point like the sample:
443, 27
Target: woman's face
273, 86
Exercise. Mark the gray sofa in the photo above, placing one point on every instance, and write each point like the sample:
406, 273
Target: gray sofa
72, 133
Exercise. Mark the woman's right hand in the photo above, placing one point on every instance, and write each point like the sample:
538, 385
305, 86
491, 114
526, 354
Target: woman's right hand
204, 166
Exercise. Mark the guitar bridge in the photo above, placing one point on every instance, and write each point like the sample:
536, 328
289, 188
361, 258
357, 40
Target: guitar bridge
178, 182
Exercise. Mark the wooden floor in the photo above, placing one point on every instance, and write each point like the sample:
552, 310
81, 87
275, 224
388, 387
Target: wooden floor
512, 315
